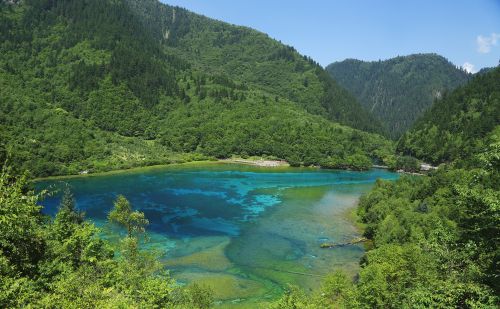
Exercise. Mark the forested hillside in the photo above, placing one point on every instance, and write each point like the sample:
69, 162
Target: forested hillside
98, 85
397, 91
435, 239
254, 59
456, 126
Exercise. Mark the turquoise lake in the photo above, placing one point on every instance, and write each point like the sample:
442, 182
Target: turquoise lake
245, 231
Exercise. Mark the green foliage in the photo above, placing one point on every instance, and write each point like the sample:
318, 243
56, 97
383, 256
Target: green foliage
252, 58
405, 163
67, 216
199, 296
435, 238
280, 130
294, 298
122, 214
447, 237
21, 242
398, 90
63, 263
445, 228
336, 292
456, 126
98, 85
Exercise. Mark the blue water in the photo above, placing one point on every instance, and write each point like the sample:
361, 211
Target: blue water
248, 220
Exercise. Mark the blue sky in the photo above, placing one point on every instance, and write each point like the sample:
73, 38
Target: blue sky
464, 31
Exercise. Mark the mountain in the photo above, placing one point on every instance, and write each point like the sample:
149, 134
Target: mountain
397, 91
433, 239
485, 70
458, 125
252, 58
439, 233
97, 85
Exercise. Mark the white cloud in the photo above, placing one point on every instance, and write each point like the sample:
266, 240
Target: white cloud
484, 43
469, 67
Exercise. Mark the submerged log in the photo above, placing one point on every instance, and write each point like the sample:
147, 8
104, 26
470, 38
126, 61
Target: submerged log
351, 242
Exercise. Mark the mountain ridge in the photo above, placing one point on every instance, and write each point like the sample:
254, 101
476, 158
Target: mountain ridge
457, 126
398, 90
268, 64
132, 99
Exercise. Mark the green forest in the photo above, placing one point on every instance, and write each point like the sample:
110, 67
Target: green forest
102, 85
398, 90
86, 86
435, 239
435, 243
456, 126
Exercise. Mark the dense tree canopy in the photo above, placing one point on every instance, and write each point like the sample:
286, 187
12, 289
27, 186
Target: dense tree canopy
456, 126
435, 242
435, 239
254, 59
89, 85
98, 85
399, 90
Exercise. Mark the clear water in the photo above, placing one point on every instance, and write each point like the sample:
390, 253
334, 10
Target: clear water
245, 231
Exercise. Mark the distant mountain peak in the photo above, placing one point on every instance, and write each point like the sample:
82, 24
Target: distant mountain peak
399, 89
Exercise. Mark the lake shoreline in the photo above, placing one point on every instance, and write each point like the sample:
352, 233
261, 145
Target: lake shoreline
125, 170
250, 228
275, 164
260, 162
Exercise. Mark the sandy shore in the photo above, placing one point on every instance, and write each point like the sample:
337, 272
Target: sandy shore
261, 162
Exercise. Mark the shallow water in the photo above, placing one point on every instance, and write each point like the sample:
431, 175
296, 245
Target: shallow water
245, 231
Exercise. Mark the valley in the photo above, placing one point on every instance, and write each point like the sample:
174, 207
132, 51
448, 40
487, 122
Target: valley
154, 157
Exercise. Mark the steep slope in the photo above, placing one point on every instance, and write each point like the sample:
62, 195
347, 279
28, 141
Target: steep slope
86, 85
252, 58
440, 233
456, 126
397, 91
434, 239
